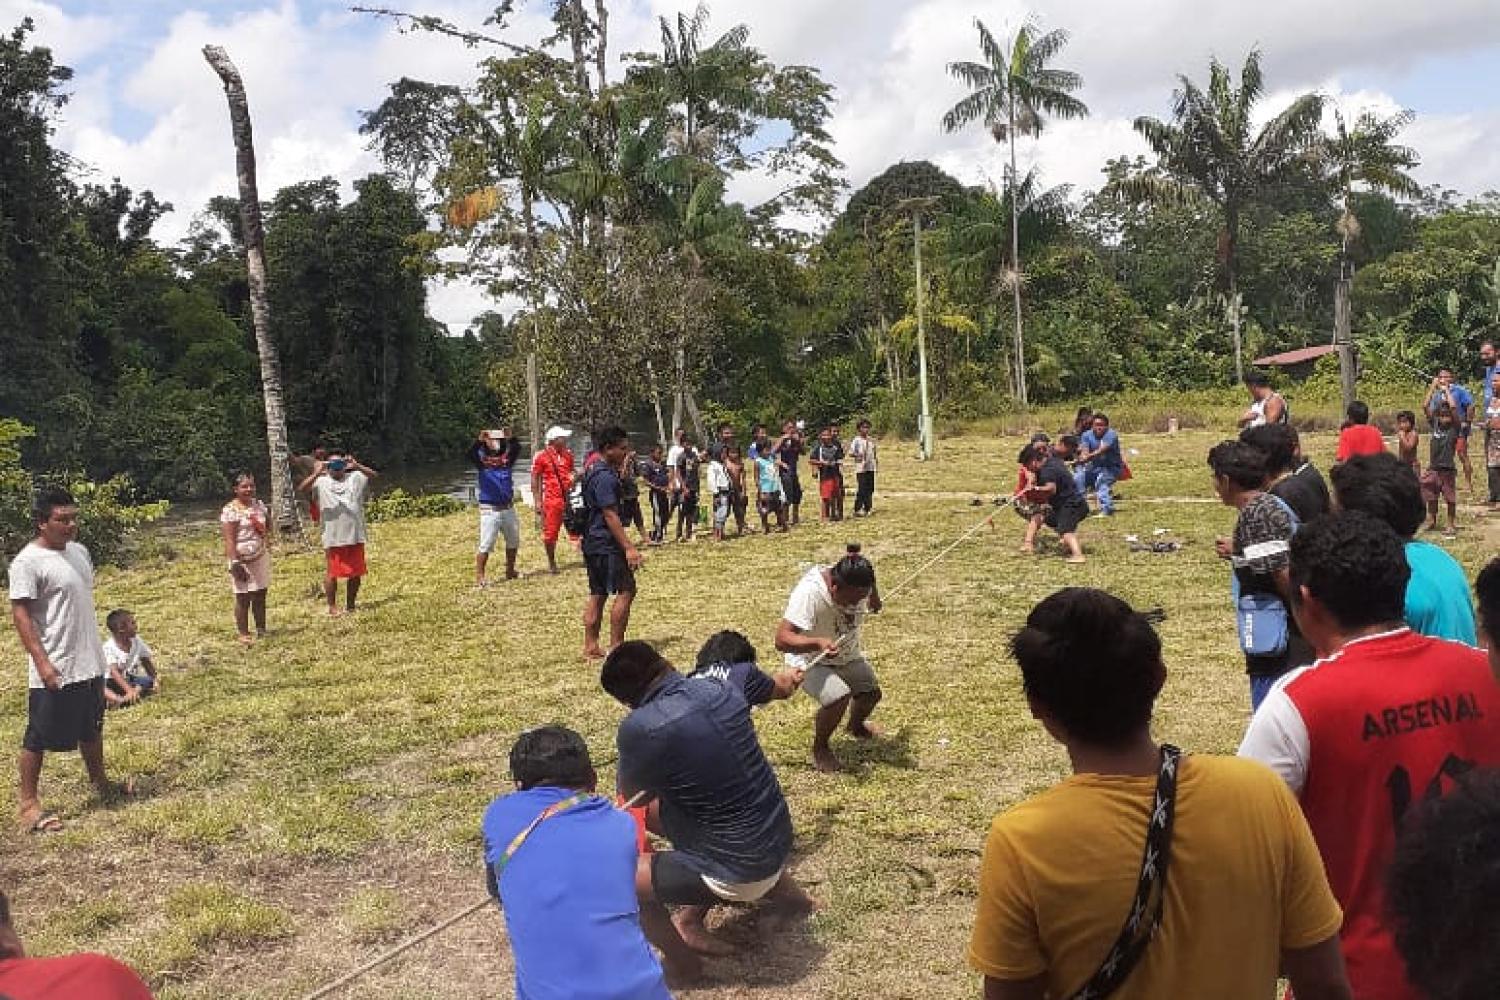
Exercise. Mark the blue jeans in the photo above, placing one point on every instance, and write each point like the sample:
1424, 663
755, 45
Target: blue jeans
1260, 686
1100, 480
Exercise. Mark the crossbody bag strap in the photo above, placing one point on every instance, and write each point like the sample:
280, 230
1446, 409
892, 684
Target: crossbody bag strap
515, 843
1150, 891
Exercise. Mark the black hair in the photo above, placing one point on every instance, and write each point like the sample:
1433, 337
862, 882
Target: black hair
1408, 416
1083, 411
854, 570
1441, 888
334, 451
47, 500
4, 909
863, 423
1032, 450
552, 755
1099, 416
727, 646
1359, 413
241, 474
1240, 463
1278, 442
115, 617
1069, 441
630, 669
610, 436
1487, 589
1445, 368
1254, 378
1382, 486
1444, 410
726, 425
1092, 663
1355, 566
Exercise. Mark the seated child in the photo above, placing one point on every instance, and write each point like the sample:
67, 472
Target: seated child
132, 671
562, 863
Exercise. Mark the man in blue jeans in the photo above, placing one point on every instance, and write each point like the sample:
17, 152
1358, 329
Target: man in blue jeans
1099, 462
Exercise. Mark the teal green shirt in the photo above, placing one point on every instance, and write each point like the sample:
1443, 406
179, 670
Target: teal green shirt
1437, 596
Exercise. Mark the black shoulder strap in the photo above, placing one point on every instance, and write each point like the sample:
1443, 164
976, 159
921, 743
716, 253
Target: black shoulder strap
1130, 946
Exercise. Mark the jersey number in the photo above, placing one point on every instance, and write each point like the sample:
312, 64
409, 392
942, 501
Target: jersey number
1399, 784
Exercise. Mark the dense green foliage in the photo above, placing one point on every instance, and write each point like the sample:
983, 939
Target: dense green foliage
130, 358
597, 205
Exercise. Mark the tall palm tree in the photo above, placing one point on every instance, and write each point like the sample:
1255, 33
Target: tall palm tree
1011, 93
1368, 155
1211, 151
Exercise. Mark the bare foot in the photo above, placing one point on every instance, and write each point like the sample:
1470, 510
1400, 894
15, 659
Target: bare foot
825, 761
335, 613
866, 731
593, 653
696, 936
246, 639
1026, 549
1075, 559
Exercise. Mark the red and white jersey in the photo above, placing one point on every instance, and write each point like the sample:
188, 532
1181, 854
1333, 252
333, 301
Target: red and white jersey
1361, 735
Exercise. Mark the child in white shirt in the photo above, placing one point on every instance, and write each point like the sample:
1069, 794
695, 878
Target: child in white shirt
131, 670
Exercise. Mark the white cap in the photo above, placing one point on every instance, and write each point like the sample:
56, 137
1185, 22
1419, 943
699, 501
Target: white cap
554, 432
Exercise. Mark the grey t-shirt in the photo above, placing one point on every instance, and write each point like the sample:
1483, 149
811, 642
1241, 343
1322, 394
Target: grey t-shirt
59, 589
341, 504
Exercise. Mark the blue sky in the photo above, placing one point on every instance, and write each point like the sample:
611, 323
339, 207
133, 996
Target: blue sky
148, 110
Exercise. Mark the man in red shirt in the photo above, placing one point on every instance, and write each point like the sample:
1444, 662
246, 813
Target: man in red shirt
67, 977
1384, 719
1358, 436
551, 478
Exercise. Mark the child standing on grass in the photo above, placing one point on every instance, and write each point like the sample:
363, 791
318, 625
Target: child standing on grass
1492, 439
658, 484
685, 484
734, 468
719, 492
769, 491
1407, 440
132, 669
825, 457
1441, 478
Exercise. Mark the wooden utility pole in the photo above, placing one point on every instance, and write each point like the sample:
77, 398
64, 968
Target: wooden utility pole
283, 494
1341, 339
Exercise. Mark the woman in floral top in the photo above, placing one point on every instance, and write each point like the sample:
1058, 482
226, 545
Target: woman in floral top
243, 522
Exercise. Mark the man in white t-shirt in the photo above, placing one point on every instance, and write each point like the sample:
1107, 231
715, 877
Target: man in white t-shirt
819, 633
340, 486
52, 606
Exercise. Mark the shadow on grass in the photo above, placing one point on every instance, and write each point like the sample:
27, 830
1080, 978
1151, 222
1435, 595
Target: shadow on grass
774, 949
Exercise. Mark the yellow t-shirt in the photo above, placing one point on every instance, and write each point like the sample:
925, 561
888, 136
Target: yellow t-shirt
1245, 881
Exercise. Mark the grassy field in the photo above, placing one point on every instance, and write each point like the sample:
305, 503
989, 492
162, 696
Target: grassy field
316, 797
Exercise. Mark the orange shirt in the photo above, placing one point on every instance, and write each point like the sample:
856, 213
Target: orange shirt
1359, 439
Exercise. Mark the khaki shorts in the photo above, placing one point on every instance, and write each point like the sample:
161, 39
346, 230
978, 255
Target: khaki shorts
827, 683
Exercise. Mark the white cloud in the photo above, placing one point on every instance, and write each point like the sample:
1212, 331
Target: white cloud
148, 109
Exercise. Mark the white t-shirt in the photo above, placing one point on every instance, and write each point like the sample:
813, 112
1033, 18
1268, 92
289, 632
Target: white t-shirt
128, 660
718, 478
812, 610
862, 451
59, 587
341, 505
673, 454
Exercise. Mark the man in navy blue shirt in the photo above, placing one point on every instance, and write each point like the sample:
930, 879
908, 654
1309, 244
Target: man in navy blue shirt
561, 862
494, 456
607, 553
1099, 462
688, 742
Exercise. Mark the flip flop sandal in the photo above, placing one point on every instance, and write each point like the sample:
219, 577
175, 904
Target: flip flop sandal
46, 821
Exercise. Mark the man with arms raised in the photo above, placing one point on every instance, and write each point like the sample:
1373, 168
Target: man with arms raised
1232, 891
689, 743
1383, 719
52, 606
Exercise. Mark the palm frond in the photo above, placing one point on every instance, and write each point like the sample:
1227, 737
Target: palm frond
972, 108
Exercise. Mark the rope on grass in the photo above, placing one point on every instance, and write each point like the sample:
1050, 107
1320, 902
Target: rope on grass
412, 942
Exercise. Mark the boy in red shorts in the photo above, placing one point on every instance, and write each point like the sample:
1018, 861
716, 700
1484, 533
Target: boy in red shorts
825, 457
340, 486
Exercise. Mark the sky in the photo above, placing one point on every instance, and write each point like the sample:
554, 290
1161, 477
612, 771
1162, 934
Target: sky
147, 109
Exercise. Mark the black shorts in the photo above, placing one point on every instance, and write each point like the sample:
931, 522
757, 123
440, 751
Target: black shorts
609, 573
674, 881
60, 720
1066, 518
791, 489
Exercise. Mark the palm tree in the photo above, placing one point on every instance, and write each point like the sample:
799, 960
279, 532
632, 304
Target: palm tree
1011, 92
1368, 155
1211, 151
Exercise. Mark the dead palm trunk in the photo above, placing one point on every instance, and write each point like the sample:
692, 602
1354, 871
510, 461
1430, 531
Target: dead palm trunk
1015, 256
283, 498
